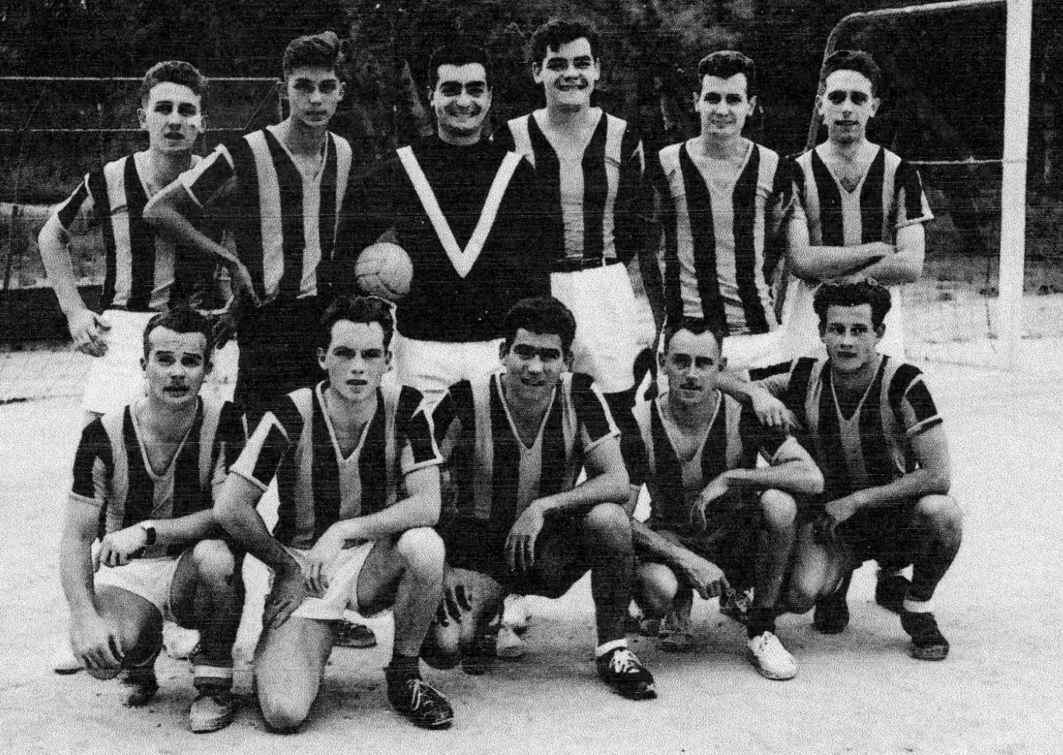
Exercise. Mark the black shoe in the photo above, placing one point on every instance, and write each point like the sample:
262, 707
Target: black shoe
890, 592
622, 670
420, 702
142, 685
928, 644
347, 634
832, 612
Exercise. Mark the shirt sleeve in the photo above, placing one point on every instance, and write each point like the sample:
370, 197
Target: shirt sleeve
910, 202
77, 210
592, 412
419, 447
916, 408
93, 462
265, 450
211, 177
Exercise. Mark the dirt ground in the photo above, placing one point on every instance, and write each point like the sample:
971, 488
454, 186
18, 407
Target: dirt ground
856, 692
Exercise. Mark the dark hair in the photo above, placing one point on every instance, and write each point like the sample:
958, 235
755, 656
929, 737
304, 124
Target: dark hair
544, 315
728, 63
313, 51
457, 54
852, 295
180, 319
358, 309
695, 325
556, 32
176, 72
852, 60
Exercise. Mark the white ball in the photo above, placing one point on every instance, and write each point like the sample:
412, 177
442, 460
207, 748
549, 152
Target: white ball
384, 269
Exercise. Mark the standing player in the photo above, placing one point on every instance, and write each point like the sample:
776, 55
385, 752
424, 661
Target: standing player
875, 432
467, 213
144, 478
143, 273
516, 442
279, 189
717, 520
724, 200
346, 536
865, 207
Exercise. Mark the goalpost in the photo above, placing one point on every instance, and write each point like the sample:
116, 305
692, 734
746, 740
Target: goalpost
1013, 160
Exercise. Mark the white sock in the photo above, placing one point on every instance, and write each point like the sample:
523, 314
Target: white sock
883, 573
611, 645
918, 606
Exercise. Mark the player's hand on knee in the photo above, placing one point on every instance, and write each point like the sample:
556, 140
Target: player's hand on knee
95, 643
707, 579
87, 331
289, 590
324, 552
714, 491
117, 548
520, 544
457, 601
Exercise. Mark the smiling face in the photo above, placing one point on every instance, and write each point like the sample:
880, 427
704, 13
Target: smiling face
172, 116
724, 105
846, 105
850, 337
568, 75
692, 363
175, 366
314, 93
534, 363
461, 100
355, 360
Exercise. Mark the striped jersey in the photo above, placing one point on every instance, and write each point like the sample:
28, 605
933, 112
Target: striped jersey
871, 447
317, 486
143, 272
284, 221
597, 193
495, 473
719, 236
731, 441
111, 469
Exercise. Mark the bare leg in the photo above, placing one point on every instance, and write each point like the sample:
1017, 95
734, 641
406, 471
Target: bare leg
289, 666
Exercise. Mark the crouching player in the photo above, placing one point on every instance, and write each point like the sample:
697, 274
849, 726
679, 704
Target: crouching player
143, 478
341, 452
718, 522
516, 442
875, 432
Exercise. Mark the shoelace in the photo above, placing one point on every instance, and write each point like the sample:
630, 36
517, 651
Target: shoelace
624, 661
420, 691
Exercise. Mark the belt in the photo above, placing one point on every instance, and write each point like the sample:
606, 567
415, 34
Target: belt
572, 266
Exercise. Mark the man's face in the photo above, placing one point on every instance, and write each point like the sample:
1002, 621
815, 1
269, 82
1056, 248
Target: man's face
692, 363
846, 106
461, 100
568, 74
850, 338
356, 359
724, 105
175, 366
313, 95
534, 363
172, 117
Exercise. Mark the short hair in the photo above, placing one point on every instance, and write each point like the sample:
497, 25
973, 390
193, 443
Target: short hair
728, 63
544, 315
852, 295
695, 325
312, 51
457, 54
852, 60
357, 309
556, 32
180, 319
176, 72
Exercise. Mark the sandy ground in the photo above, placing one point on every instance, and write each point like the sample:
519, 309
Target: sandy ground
856, 692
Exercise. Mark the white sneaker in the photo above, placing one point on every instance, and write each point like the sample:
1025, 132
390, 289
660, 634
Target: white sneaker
515, 613
179, 642
63, 659
772, 660
509, 644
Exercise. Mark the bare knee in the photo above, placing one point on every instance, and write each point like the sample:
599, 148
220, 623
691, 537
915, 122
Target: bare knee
421, 549
658, 586
608, 523
941, 514
778, 509
214, 561
283, 714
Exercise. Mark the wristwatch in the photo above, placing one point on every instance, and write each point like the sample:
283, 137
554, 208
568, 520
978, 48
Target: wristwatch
149, 532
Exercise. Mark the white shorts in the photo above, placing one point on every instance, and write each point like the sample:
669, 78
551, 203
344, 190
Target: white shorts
748, 352
342, 592
150, 578
801, 324
116, 378
433, 366
607, 317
